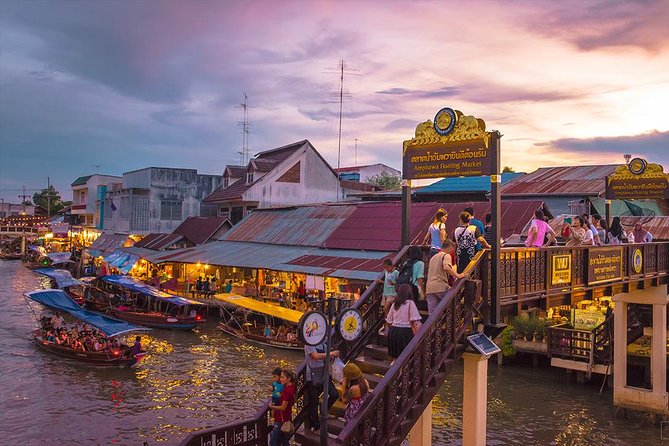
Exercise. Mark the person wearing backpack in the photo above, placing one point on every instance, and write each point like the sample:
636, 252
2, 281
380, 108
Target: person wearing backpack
439, 272
412, 273
465, 237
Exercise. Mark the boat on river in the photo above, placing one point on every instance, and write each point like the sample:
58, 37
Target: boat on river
129, 299
58, 300
63, 280
260, 322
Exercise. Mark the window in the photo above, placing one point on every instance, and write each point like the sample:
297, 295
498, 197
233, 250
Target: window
208, 210
249, 177
170, 210
226, 181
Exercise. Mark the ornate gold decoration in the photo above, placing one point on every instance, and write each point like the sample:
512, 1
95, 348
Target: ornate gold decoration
652, 171
467, 128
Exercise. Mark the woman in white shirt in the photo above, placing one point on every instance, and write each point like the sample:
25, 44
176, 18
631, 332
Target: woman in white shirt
403, 315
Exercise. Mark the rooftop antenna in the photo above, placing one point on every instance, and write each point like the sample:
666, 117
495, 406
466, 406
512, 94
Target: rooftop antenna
355, 155
245, 125
97, 168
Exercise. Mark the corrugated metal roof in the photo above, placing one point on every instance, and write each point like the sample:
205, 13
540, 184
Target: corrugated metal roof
106, 244
564, 180
300, 226
81, 180
144, 253
158, 241
280, 258
464, 184
200, 229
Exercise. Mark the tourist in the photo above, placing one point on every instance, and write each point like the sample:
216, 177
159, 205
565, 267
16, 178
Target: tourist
475, 222
228, 287
589, 224
356, 390
466, 236
136, 347
57, 321
389, 291
578, 234
268, 332
50, 337
640, 234
440, 271
283, 412
615, 234
539, 230
205, 287
198, 285
602, 231
277, 387
609, 310
436, 233
487, 230
403, 319
281, 333
315, 376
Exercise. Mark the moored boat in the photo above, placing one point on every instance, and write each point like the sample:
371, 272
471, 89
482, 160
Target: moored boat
63, 280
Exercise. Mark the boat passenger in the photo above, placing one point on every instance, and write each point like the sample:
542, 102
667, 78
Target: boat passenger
268, 332
57, 321
50, 337
281, 334
137, 346
291, 336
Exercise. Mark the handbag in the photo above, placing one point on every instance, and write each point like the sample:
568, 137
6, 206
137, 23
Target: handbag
287, 427
415, 325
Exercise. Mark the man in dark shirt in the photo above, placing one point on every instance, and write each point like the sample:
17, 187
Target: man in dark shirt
137, 346
477, 223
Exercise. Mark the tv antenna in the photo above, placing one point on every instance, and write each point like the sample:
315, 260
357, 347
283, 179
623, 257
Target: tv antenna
97, 168
246, 126
355, 154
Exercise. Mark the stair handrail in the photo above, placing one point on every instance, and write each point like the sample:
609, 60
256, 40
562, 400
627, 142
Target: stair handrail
385, 386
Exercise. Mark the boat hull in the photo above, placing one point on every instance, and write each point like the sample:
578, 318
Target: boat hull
157, 320
98, 359
262, 340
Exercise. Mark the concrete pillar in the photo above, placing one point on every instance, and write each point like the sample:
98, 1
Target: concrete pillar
620, 345
475, 399
658, 355
421, 432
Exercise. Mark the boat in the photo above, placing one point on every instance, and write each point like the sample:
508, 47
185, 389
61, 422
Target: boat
134, 301
250, 317
59, 301
63, 280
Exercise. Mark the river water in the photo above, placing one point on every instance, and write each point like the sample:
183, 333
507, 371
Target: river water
192, 380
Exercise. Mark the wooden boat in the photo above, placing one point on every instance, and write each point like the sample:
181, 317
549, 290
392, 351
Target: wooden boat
134, 301
62, 279
251, 318
59, 301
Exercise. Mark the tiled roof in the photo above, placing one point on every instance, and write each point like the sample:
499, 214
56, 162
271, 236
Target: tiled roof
236, 171
357, 185
564, 180
464, 184
81, 180
200, 229
106, 244
280, 153
230, 193
264, 165
157, 241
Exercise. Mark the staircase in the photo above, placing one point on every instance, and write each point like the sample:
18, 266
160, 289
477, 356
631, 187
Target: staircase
400, 392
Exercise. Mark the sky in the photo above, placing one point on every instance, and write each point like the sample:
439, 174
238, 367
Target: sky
114, 86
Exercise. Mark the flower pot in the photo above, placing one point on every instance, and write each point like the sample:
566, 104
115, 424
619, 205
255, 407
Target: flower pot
539, 338
529, 337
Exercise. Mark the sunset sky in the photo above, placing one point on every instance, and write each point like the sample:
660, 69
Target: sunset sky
126, 85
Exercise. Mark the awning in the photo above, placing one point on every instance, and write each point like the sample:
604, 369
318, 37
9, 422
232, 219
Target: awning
60, 301
59, 257
137, 286
62, 277
106, 244
121, 260
144, 253
260, 307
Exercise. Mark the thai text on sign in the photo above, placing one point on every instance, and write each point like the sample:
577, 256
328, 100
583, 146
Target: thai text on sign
604, 265
462, 158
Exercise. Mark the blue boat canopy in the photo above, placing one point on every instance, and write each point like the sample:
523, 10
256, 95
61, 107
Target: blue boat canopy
137, 286
121, 260
60, 301
62, 277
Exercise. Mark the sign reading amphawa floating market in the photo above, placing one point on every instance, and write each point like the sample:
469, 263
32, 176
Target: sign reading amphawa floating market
638, 180
453, 145
604, 265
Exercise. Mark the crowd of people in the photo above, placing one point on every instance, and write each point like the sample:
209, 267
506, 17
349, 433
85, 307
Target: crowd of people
76, 337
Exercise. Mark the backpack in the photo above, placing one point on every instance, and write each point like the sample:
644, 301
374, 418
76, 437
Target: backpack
406, 273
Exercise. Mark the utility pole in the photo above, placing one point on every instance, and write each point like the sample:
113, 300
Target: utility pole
246, 125
355, 154
48, 198
23, 197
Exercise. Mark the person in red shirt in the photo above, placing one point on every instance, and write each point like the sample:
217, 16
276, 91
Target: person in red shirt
283, 412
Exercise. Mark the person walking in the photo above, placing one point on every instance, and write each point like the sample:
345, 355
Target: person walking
478, 223
539, 229
436, 233
403, 320
465, 237
389, 290
315, 376
439, 272
283, 412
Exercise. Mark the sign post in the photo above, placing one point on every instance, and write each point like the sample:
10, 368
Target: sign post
456, 145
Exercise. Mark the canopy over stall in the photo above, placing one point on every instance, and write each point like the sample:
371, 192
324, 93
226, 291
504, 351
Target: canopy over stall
62, 277
123, 261
60, 301
137, 286
59, 257
259, 307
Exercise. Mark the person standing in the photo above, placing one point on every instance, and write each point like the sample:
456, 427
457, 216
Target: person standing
403, 318
465, 237
439, 270
283, 412
640, 234
602, 232
589, 224
578, 234
315, 375
539, 229
615, 234
487, 230
436, 233
479, 225
389, 291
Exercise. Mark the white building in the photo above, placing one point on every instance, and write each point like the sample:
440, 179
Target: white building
289, 175
362, 174
12, 210
156, 199
86, 193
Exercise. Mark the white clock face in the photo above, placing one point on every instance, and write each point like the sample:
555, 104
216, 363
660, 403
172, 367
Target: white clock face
350, 324
313, 328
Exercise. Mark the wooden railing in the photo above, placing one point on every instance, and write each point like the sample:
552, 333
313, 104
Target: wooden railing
415, 377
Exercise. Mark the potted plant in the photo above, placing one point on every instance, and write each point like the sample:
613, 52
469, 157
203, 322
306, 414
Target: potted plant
519, 326
540, 333
530, 328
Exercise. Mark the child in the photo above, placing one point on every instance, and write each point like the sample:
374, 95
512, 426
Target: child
277, 387
389, 291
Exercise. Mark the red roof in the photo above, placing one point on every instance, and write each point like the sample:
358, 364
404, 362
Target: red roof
357, 185
564, 180
200, 229
236, 171
280, 153
264, 165
335, 263
158, 241
230, 193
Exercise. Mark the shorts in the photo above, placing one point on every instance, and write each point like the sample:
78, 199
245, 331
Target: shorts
276, 400
387, 300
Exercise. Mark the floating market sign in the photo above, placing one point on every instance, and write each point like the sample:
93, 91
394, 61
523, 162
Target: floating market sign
605, 265
560, 269
453, 145
638, 180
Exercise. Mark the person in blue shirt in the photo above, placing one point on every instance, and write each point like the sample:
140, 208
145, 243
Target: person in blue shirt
228, 287
277, 387
478, 223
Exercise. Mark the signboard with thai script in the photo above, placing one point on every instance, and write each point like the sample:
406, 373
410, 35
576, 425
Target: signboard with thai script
638, 180
453, 145
560, 269
605, 265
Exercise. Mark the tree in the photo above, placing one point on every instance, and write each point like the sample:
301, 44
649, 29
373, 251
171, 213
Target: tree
386, 180
56, 204
508, 169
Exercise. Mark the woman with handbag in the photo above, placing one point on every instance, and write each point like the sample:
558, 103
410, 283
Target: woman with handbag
404, 321
283, 412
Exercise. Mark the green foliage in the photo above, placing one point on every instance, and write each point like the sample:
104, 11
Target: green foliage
386, 180
508, 169
42, 199
507, 342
